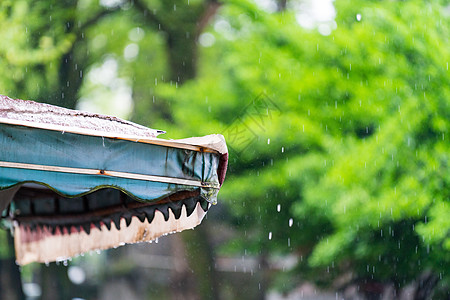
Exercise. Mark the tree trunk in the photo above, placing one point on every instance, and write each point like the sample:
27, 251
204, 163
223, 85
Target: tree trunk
182, 279
264, 275
282, 5
201, 258
70, 77
194, 276
71, 73
10, 281
55, 282
425, 286
182, 55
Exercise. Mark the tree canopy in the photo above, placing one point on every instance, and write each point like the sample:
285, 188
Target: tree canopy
339, 151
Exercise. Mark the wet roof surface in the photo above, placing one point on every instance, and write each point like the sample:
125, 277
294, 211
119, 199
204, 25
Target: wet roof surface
31, 111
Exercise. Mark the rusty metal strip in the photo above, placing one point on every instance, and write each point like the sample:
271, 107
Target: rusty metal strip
126, 175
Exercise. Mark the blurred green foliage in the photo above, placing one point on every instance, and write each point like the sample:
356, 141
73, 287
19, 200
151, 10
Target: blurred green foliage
358, 157
348, 171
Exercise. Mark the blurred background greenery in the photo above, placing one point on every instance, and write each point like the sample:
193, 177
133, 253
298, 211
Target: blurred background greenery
336, 114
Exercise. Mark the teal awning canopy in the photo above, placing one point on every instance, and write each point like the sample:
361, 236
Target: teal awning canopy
74, 154
74, 164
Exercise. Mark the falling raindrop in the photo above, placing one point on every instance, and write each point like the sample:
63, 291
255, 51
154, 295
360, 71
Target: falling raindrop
291, 222
278, 207
358, 17
270, 235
